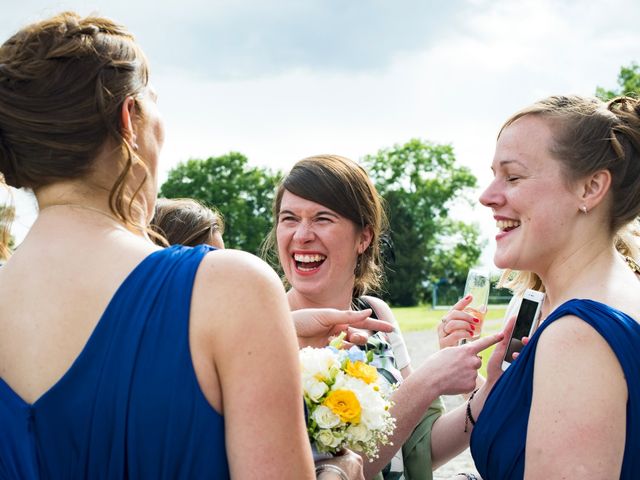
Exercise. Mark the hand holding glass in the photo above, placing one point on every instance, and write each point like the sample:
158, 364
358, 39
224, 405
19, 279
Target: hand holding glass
478, 285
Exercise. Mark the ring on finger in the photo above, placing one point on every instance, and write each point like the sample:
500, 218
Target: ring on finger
444, 328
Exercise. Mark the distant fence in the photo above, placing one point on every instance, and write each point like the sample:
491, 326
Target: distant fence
443, 296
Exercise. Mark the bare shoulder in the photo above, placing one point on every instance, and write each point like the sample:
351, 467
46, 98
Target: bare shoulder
235, 266
570, 333
381, 308
577, 418
235, 285
572, 351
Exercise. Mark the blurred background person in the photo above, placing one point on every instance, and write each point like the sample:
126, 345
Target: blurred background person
185, 221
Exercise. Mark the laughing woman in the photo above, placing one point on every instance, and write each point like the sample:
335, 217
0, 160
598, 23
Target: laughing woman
328, 224
567, 183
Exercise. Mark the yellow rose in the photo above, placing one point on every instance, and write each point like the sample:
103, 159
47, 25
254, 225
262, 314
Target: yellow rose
344, 404
361, 370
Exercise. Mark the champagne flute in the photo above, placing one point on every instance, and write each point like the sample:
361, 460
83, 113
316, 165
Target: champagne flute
478, 285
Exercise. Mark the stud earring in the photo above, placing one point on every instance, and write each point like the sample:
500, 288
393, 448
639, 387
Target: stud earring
583, 209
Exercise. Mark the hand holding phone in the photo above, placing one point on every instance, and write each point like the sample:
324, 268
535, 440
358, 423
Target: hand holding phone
526, 323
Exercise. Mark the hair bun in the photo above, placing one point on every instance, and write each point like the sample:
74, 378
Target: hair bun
75, 30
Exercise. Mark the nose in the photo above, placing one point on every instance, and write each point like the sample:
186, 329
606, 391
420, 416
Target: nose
303, 233
492, 196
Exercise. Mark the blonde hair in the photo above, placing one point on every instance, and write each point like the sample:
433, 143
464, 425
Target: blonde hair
7, 215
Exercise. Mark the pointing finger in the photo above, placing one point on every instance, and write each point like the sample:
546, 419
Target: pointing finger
485, 342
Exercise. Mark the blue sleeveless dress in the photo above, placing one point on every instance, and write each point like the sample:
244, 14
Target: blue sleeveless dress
130, 405
499, 437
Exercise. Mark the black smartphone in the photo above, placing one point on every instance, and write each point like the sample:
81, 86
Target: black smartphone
526, 323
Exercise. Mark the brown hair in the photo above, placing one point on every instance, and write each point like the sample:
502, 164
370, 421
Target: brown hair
184, 221
591, 135
62, 84
345, 187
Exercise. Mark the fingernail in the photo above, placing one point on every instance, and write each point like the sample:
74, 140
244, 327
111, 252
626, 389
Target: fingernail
473, 327
468, 296
477, 320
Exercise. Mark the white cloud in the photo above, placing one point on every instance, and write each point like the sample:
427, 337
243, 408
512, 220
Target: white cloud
449, 76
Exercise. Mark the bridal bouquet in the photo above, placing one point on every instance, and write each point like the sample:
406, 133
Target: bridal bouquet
347, 400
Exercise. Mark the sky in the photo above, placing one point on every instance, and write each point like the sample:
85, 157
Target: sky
282, 80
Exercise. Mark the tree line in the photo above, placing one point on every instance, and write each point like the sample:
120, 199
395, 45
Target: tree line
418, 181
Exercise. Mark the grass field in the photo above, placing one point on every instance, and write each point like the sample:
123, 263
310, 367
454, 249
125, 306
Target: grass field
425, 318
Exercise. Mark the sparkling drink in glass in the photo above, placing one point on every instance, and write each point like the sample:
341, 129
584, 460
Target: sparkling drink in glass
478, 285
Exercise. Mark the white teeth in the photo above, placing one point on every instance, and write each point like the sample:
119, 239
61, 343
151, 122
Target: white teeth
308, 258
503, 224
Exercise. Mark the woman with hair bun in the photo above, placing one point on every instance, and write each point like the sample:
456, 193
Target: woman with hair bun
120, 359
566, 200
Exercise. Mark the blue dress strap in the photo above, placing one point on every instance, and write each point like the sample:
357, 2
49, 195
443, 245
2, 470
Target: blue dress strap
498, 439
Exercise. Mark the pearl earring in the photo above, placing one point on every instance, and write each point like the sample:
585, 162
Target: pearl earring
583, 209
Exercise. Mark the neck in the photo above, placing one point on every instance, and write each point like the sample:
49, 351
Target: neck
582, 273
78, 197
298, 300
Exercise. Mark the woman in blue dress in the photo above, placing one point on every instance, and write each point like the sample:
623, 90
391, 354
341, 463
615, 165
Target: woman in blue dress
567, 180
120, 359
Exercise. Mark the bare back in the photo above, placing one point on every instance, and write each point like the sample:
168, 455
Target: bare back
53, 292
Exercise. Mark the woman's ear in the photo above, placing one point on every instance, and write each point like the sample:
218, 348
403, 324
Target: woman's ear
594, 188
127, 116
365, 239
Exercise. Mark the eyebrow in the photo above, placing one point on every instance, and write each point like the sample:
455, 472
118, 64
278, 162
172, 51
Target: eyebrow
502, 163
317, 214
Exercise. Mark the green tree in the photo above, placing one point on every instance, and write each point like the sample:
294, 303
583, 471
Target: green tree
419, 182
628, 83
457, 248
243, 194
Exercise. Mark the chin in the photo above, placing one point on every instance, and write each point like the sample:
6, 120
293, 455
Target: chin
503, 261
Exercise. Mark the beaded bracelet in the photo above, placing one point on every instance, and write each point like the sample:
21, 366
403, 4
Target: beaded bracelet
327, 467
469, 417
470, 476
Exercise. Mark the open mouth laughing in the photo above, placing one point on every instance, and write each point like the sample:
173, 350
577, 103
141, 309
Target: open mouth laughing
506, 225
308, 262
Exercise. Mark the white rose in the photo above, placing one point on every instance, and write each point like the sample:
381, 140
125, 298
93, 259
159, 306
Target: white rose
359, 433
328, 438
314, 389
318, 363
325, 418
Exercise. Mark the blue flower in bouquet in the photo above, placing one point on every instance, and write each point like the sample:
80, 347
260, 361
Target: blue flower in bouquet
356, 355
